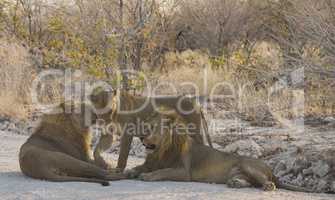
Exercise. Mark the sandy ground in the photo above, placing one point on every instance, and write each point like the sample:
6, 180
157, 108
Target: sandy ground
13, 185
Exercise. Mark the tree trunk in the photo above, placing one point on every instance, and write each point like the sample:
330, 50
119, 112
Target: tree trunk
122, 60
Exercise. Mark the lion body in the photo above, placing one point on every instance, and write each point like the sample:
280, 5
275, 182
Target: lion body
59, 150
179, 158
190, 161
127, 102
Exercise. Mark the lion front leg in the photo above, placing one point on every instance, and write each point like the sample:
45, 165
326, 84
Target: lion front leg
104, 144
136, 171
126, 141
169, 174
151, 164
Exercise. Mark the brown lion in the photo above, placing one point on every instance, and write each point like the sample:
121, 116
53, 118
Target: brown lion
59, 149
179, 158
141, 108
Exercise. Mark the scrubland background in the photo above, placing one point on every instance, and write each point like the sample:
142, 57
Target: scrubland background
243, 42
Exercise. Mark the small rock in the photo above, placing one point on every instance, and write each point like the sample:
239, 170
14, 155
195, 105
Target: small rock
321, 169
300, 164
11, 127
332, 186
300, 179
322, 186
280, 168
329, 119
310, 182
281, 173
245, 148
287, 178
217, 146
308, 171
4, 125
290, 164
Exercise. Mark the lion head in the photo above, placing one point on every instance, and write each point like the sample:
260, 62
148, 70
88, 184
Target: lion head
164, 144
171, 138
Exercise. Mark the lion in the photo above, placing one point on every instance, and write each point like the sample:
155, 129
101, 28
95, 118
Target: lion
185, 107
59, 149
179, 158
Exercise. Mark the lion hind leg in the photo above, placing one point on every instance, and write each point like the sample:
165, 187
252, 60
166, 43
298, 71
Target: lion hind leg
73, 167
169, 174
126, 141
104, 144
259, 177
239, 181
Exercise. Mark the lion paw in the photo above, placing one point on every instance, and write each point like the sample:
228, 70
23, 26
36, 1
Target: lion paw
132, 174
103, 164
147, 177
238, 183
269, 186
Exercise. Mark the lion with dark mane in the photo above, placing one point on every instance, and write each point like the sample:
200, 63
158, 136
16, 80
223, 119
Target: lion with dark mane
129, 109
179, 158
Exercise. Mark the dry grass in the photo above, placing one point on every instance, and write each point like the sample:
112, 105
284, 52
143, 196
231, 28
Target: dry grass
16, 75
240, 87
191, 72
320, 98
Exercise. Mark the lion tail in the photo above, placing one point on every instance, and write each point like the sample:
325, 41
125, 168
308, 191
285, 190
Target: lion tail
57, 178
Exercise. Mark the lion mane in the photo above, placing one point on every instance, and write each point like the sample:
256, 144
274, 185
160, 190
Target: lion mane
172, 144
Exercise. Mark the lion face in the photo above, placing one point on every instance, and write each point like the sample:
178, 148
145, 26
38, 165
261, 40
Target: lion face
167, 130
153, 142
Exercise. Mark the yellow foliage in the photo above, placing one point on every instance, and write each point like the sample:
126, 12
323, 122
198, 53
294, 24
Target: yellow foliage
218, 62
56, 25
56, 44
239, 58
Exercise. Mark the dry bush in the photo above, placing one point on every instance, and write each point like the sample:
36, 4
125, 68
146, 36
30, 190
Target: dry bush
263, 106
238, 80
16, 75
190, 72
216, 25
196, 68
307, 42
320, 97
253, 104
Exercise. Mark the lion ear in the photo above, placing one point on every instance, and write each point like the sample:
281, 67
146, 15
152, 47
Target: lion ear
100, 99
171, 114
